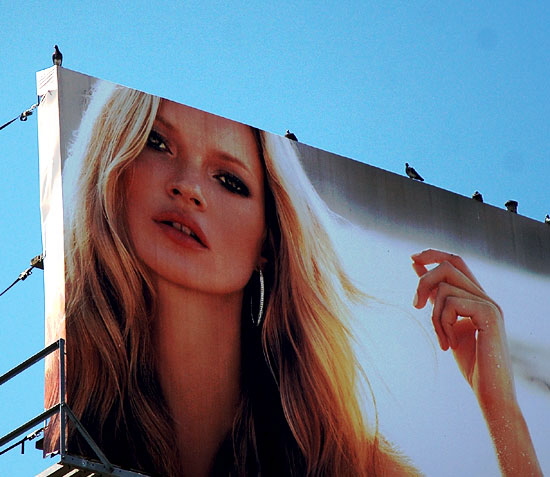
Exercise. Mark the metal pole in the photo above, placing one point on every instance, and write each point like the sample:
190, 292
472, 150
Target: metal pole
62, 423
28, 362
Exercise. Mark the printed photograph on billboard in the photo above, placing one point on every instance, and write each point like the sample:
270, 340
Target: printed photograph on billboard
235, 302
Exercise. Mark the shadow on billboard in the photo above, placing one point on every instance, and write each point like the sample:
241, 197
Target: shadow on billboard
237, 303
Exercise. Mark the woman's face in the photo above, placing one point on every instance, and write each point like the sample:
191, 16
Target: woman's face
195, 201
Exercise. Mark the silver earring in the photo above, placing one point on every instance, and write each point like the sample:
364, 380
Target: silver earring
258, 320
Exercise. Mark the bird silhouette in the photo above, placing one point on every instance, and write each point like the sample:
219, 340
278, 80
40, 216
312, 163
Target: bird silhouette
410, 171
477, 196
512, 206
547, 219
290, 135
57, 57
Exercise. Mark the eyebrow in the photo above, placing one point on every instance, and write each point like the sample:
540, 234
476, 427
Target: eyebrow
164, 122
235, 160
222, 154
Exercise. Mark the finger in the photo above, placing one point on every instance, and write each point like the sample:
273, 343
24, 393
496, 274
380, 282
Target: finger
445, 322
443, 328
448, 318
478, 311
444, 291
445, 272
443, 317
442, 337
419, 268
430, 256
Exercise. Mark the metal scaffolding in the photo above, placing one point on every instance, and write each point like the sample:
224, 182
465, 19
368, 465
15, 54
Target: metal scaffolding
67, 465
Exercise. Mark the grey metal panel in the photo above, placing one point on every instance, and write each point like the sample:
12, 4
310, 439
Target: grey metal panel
384, 201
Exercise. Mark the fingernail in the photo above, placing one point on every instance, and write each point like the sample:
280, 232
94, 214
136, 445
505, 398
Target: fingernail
415, 300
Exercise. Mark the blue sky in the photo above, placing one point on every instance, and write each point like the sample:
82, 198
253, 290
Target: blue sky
459, 91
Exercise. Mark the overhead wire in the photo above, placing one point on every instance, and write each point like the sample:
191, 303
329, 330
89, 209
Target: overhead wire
25, 114
36, 262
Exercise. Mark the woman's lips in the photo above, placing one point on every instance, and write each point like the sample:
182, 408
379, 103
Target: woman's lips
181, 229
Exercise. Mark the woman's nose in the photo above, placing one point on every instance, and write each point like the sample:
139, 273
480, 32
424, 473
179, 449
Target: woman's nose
188, 191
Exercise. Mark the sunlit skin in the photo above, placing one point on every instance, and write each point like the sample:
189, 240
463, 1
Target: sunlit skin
469, 322
195, 212
199, 173
196, 218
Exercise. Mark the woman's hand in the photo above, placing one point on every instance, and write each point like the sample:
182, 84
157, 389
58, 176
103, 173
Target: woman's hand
469, 322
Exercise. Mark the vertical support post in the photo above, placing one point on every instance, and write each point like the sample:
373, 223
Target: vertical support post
62, 419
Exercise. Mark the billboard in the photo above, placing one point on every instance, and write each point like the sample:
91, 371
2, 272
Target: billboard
235, 302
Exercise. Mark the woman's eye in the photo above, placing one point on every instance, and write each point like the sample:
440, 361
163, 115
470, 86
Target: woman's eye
233, 184
157, 142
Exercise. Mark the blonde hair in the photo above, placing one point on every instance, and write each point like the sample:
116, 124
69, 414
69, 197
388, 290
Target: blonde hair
299, 410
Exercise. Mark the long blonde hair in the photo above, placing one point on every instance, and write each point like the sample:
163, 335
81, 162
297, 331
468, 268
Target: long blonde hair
300, 413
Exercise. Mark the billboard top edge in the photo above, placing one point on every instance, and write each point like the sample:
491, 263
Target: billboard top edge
62, 70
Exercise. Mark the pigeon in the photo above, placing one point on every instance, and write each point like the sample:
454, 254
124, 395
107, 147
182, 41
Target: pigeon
547, 219
412, 173
512, 206
477, 196
57, 57
290, 135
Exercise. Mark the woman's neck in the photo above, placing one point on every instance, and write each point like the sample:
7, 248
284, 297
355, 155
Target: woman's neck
197, 339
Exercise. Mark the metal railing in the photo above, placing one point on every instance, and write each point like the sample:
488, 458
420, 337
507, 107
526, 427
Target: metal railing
58, 345
103, 467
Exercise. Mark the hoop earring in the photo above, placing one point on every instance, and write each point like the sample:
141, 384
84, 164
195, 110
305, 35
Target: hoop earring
258, 321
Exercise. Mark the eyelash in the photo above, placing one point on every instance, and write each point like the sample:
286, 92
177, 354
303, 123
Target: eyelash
229, 181
233, 184
157, 142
